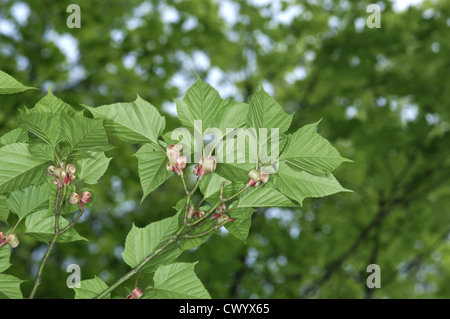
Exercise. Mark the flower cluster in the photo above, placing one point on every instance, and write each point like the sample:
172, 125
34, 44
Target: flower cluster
79, 199
205, 165
63, 174
177, 162
220, 215
135, 294
255, 177
12, 240
194, 213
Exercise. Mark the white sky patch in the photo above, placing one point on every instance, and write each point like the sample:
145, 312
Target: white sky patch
134, 23
21, 12
223, 82
409, 113
129, 60
268, 87
229, 11
287, 16
298, 74
189, 24
264, 41
143, 9
117, 35
22, 62
351, 112
170, 107
68, 45
168, 14
8, 28
201, 60
403, 5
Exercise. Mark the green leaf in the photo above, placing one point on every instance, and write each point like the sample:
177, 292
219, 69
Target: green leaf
298, 184
90, 288
171, 253
41, 226
309, 151
237, 160
203, 103
18, 167
151, 167
141, 242
178, 281
46, 126
51, 104
233, 115
265, 112
5, 254
191, 243
132, 122
210, 187
10, 287
28, 200
42, 151
4, 211
9, 85
85, 134
263, 196
91, 169
18, 135
240, 226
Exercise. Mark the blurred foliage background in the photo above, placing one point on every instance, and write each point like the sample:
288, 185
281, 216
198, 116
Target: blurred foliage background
382, 94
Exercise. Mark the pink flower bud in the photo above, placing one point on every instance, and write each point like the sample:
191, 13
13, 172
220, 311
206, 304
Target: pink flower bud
169, 167
2, 239
199, 214
13, 241
181, 163
72, 178
191, 212
208, 164
264, 177
252, 183
221, 208
60, 173
135, 294
85, 197
254, 175
172, 153
74, 198
57, 181
51, 171
223, 218
178, 147
71, 169
195, 170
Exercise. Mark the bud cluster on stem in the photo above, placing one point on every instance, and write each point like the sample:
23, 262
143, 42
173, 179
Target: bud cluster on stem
62, 174
207, 164
80, 199
11, 239
177, 162
255, 177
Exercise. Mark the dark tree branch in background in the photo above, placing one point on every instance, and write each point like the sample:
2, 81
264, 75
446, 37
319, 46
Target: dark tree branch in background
410, 195
416, 261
